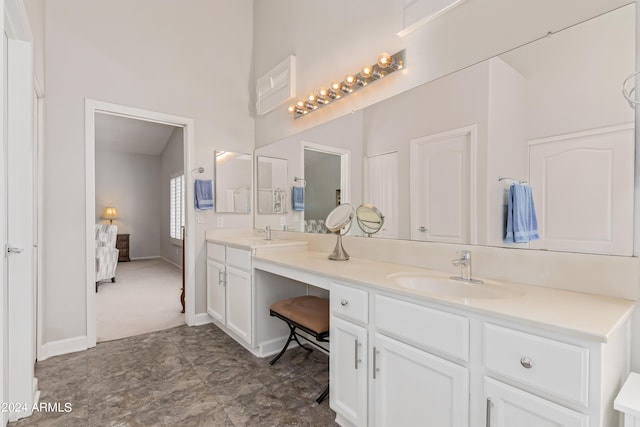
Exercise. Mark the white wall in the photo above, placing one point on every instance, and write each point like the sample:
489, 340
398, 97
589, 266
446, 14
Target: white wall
36, 13
156, 55
362, 29
452, 102
171, 163
131, 183
344, 133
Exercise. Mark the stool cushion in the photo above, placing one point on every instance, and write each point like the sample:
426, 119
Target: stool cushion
309, 311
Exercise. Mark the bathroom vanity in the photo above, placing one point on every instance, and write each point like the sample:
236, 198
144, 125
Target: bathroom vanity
410, 346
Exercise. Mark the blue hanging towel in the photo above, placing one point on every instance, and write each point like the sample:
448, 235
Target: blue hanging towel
297, 198
204, 194
522, 224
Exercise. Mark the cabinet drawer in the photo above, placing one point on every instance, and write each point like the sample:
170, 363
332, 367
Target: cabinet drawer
239, 258
215, 251
349, 303
423, 327
553, 367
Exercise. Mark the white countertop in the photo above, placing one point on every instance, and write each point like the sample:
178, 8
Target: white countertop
628, 400
582, 315
253, 242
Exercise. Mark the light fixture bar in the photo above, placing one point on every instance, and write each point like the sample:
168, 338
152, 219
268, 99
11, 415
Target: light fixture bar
385, 65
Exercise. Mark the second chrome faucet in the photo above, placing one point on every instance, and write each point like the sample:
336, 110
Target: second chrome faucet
464, 262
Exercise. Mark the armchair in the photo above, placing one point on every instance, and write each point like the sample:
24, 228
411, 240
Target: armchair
106, 252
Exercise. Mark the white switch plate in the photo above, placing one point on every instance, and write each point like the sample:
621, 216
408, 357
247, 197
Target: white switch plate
201, 218
220, 222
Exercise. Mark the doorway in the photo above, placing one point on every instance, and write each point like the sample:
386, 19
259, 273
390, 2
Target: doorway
94, 108
326, 177
138, 163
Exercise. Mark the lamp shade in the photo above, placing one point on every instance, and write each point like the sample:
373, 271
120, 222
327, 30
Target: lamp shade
110, 213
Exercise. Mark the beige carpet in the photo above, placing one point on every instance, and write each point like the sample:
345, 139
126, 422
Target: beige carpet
145, 298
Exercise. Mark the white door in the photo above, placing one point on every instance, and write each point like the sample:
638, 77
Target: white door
348, 372
415, 388
19, 225
216, 291
508, 406
583, 190
440, 187
382, 190
239, 303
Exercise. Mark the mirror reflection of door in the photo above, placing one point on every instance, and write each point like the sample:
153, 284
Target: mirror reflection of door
272, 185
382, 190
322, 174
440, 175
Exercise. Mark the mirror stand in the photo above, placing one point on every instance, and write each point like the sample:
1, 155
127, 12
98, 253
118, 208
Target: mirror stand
339, 254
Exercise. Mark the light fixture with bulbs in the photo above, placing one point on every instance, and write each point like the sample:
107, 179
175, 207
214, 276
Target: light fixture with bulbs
385, 65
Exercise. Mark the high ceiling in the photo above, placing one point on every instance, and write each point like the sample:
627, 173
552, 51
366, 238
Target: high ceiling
124, 134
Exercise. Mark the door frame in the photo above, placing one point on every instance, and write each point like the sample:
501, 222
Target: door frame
92, 107
18, 304
345, 168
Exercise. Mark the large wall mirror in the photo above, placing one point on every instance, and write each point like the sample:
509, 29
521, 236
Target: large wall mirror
233, 181
549, 113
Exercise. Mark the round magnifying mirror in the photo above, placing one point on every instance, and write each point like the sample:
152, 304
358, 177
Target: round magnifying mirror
336, 221
339, 218
370, 219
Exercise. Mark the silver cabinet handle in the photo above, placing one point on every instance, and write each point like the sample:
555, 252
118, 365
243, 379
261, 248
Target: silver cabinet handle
526, 362
356, 353
344, 303
221, 278
488, 422
14, 250
375, 367
422, 229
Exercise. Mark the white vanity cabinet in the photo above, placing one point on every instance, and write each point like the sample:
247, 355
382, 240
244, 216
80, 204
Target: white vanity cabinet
348, 373
509, 406
229, 285
430, 364
394, 380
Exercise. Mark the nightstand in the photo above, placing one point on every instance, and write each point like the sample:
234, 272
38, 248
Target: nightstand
122, 245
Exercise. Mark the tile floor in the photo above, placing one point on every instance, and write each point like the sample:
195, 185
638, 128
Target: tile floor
185, 376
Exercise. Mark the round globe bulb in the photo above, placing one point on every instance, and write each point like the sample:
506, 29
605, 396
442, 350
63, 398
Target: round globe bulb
384, 60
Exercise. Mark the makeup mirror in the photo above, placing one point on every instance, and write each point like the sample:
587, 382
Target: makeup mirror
338, 220
370, 219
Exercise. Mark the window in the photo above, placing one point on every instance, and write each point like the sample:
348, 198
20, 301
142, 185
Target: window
177, 206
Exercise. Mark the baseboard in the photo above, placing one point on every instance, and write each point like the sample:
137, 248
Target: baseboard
203, 319
56, 348
171, 262
139, 258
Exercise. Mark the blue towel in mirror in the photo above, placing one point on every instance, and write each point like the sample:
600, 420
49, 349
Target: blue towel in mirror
297, 198
204, 194
522, 224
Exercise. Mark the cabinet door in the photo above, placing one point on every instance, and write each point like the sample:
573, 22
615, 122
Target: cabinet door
415, 388
508, 406
239, 302
348, 371
216, 291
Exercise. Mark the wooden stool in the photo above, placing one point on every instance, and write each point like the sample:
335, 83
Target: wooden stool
309, 314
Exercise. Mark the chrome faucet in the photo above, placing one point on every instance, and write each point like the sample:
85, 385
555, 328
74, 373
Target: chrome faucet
464, 261
267, 232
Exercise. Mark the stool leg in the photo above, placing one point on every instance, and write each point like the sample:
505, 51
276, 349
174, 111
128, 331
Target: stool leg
323, 396
292, 337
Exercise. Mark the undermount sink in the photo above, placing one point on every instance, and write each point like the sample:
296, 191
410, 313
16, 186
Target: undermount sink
450, 287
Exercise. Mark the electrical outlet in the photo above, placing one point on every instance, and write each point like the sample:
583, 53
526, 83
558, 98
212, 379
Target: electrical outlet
283, 220
220, 222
